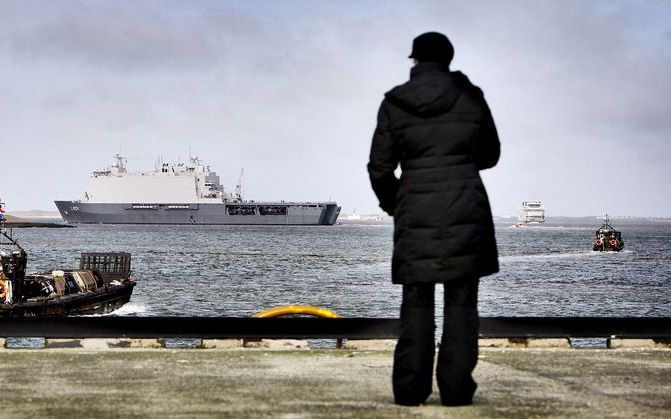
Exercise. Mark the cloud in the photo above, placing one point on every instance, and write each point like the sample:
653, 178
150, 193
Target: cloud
578, 94
289, 90
135, 38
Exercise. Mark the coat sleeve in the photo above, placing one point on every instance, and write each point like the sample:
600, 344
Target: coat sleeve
487, 147
384, 158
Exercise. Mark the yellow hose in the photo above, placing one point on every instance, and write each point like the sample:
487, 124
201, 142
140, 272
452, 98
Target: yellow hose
288, 310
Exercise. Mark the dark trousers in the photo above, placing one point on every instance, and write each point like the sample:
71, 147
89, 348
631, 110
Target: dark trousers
458, 353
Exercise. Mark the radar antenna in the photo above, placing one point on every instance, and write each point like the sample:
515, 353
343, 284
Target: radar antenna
118, 164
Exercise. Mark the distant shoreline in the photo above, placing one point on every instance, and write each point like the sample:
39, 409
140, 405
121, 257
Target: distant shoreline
33, 224
35, 214
594, 218
53, 217
12, 221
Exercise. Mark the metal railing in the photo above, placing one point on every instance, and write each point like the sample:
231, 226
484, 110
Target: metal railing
658, 328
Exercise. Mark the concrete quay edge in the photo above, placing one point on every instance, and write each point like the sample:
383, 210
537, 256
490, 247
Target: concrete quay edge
293, 344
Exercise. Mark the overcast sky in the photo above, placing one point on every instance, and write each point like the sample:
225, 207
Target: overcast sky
289, 91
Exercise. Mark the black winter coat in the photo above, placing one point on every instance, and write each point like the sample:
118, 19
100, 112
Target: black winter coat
439, 128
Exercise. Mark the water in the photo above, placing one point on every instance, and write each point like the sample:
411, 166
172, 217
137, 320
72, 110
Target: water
550, 270
546, 270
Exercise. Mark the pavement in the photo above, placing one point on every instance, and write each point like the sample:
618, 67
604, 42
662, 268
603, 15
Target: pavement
324, 383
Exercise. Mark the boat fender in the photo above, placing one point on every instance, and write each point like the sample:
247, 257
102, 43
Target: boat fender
288, 310
3, 290
9, 296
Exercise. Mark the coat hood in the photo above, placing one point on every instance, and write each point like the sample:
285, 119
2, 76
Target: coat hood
432, 90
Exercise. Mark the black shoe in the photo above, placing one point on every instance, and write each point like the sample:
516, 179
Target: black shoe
461, 398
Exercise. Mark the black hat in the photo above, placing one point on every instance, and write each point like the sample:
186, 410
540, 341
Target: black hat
432, 46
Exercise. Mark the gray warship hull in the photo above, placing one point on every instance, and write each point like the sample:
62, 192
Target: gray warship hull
245, 213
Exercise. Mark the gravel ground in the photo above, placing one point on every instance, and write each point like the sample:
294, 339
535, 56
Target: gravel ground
343, 383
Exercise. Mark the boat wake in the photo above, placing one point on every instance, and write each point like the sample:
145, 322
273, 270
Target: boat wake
547, 227
548, 256
129, 309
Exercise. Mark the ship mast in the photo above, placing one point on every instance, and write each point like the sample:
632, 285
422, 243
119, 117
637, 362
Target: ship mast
606, 224
238, 187
3, 230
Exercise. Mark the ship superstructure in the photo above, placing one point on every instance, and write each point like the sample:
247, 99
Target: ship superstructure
190, 182
532, 212
181, 193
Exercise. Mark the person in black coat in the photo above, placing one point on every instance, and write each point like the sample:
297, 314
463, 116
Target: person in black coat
438, 127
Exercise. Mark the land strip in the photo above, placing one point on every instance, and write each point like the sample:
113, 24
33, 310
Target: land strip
344, 383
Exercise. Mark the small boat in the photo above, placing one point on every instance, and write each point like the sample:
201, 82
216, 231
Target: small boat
607, 238
101, 284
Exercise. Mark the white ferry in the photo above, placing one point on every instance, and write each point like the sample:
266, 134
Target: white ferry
531, 212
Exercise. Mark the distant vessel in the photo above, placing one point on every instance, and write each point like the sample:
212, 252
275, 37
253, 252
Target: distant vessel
607, 238
354, 216
182, 193
531, 212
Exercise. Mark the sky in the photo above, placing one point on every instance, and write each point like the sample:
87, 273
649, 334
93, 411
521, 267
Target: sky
289, 90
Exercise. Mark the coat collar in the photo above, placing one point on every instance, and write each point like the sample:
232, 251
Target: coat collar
427, 66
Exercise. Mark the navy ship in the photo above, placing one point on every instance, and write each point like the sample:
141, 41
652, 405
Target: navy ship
181, 193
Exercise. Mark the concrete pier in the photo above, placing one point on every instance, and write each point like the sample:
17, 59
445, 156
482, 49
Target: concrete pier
347, 383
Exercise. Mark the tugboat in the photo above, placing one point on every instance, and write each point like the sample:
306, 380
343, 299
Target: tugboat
607, 238
101, 284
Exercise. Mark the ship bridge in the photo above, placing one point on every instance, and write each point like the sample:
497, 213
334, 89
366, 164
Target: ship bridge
190, 182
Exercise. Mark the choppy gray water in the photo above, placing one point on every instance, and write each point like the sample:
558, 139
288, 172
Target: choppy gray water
546, 270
